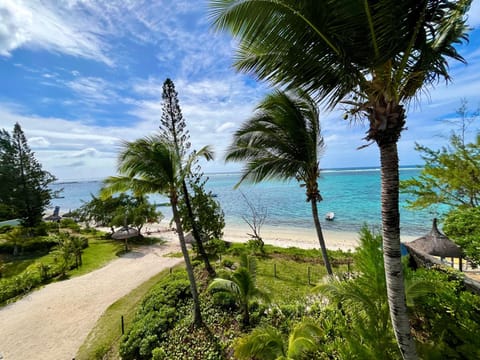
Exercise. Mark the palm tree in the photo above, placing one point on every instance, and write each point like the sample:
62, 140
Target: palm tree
242, 286
282, 140
267, 343
152, 165
374, 56
363, 300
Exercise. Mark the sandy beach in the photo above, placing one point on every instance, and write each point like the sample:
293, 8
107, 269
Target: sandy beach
52, 322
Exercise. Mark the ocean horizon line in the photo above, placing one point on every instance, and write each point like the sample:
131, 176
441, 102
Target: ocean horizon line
237, 173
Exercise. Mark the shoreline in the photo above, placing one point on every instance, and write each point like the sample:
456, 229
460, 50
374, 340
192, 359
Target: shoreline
278, 236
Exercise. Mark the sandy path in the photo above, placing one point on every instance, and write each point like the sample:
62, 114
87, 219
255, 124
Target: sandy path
53, 322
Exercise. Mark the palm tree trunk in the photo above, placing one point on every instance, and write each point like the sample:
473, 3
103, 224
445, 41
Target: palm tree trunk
196, 234
197, 315
246, 314
391, 250
321, 240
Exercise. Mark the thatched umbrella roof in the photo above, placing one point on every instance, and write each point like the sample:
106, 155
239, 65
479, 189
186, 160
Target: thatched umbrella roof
125, 233
437, 244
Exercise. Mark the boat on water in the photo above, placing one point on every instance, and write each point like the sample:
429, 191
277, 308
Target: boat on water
330, 216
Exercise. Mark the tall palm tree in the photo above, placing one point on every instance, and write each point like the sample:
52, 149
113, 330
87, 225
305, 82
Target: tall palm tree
374, 56
267, 343
282, 140
152, 165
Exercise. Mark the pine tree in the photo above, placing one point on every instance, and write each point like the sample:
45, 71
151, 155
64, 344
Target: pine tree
173, 129
25, 191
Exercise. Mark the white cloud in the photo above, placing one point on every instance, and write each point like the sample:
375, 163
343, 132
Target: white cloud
93, 90
226, 126
14, 23
38, 142
50, 26
88, 152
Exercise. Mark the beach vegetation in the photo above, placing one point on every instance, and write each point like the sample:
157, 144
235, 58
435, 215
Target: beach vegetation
159, 311
24, 185
152, 165
282, 140
173, 130
449, 177
349, 314
120, 210
462, 225
268, 343
43, 259
241, 284
361, 59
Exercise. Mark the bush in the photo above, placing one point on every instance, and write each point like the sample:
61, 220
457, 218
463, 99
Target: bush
35, 244
70, 224
450, 320
157, 314
224, 300
5, 229
215, 247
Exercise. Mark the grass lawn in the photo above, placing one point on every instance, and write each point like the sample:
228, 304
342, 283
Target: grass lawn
98, 253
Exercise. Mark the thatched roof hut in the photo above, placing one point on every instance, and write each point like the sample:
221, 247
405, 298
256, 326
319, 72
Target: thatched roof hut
433, 244
437, 244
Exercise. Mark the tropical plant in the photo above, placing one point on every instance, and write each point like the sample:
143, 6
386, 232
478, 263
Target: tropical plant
363, 301
16, 236
267, 343
173, 129
242, 285
152, 165
373, 56
65, 251
282, 140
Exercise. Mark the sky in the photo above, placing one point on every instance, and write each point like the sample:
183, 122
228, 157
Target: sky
81, 76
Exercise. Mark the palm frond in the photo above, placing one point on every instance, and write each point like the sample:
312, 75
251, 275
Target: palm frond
263, 343
281, 140
303, 338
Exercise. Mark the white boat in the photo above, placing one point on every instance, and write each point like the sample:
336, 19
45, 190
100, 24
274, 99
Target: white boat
330, 216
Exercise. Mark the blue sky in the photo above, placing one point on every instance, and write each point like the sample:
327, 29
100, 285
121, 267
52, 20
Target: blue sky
82, 75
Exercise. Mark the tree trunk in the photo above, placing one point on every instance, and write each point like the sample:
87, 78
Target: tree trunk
321, 240
196, 233
391, 250
246, 314
197, 315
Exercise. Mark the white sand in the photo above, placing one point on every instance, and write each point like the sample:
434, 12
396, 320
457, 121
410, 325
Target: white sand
51, 323
299, 237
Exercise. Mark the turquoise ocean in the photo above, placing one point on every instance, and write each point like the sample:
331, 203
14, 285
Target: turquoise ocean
352, 194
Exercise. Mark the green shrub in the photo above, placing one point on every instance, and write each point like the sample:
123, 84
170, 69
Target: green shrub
224, 300
449, 319
157, 314
70, 224
215, 247
5, 229
228, 263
